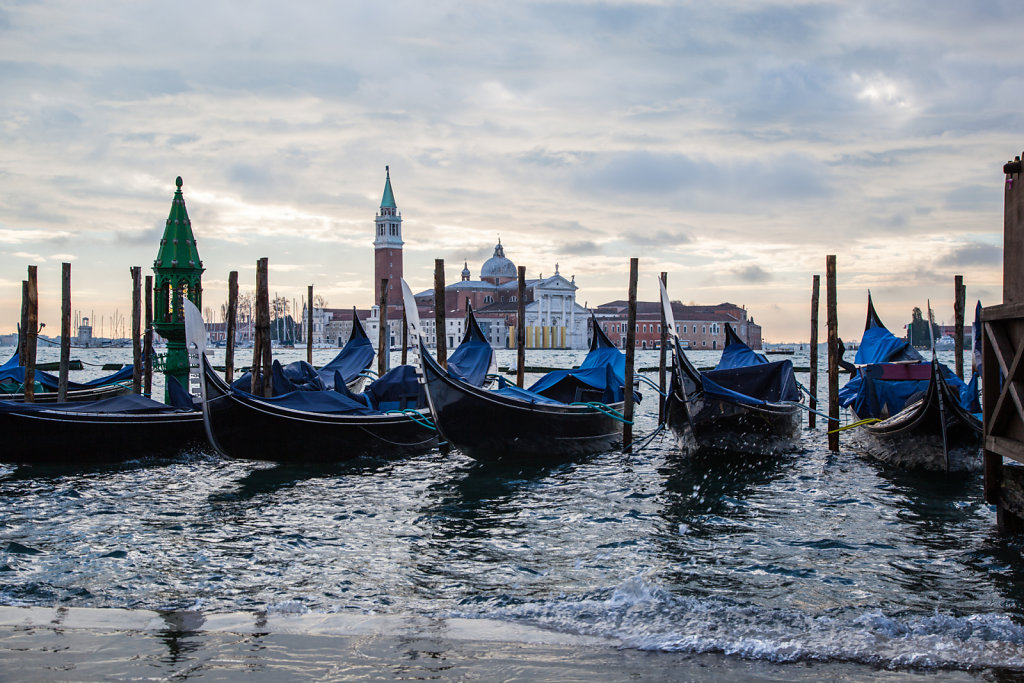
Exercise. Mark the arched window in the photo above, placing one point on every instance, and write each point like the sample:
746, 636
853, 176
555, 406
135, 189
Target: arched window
488, 299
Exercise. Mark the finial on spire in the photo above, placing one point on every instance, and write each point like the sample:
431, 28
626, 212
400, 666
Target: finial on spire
178, 182
387, 170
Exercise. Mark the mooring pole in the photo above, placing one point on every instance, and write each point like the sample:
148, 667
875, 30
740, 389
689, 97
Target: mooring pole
812, 402
833, 352
440, 331
383, 338
309, 325
65, 331
31, 339
627, 390
521, 328
147, 347
663, 360
959, 301
136, 272
23, 326
261, 361
230, 326
405, 337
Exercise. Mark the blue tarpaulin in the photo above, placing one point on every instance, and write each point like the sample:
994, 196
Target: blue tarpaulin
472, 360
599, 377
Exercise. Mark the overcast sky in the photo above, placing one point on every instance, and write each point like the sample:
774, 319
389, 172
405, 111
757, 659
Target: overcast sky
732, 144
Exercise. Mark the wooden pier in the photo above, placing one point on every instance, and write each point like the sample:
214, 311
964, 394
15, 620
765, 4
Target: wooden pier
1002, 368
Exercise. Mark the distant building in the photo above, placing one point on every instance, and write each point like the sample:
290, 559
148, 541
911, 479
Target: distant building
699, 327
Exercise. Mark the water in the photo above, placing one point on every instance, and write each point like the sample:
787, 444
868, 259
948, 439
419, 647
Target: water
810, 556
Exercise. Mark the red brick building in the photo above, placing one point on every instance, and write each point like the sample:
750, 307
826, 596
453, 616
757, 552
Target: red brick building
699, 327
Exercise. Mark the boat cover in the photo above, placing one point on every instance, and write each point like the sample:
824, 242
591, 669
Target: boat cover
327, 402
871, 396
473, 359
127, 404
737, 354
397, 389
354, 357
879, 345
756, 384
603, 370
13, 376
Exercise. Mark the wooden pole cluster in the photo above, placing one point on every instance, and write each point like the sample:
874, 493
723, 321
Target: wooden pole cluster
31, 306
309, 326
136, 272
147, 351
663, 358
439, 313
812, 402
65, 331
383, 345
521, 328
231, 324
627, 390
833, 352
261, 359
959, 300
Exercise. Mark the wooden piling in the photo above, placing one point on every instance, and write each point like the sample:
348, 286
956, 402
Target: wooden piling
832, 321
23, 325
261, 361
383, 341
405, 337
663, 358
65, 331
812, 402
959, 297
521, 328
627, 389
439, 313
231, 325
147, 348
309, 326
32, 332
136, 273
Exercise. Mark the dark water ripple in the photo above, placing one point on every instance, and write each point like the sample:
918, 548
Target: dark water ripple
809, 555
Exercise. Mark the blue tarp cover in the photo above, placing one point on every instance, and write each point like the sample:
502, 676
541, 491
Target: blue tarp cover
879, 345
11, 372
603, 370
397, 389
755, 384
472, 360
329, 402
126, 404
355, 357
870, 397
739, 355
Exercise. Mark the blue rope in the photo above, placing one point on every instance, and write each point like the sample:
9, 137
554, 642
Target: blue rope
606, 409
415, 416
647, 439
652, 384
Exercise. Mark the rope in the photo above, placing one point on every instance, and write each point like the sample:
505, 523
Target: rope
415, 416
647, 439
811, 410
606, 409
649, 381
867, 420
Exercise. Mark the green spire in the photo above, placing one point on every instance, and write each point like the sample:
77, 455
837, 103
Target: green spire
178, 246
388, 201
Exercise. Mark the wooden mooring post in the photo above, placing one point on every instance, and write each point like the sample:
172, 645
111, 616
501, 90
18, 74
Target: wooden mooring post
230, 326
261, 360
1002, 371
663, 357
147, 347
812, 401
440, 330
309, 325
627, 389
405, 336
959, 299
65, 332
832, 320
136, 272
31, 334
521, 328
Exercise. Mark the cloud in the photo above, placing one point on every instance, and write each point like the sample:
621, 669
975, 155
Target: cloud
752, 273
974, 254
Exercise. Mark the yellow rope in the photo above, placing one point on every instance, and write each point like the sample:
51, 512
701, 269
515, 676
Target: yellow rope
867, 420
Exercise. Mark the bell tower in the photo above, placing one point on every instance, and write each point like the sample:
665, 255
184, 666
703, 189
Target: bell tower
178, 277
387, 246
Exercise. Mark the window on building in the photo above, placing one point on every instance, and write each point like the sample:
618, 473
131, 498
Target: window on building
488, 299
703, 329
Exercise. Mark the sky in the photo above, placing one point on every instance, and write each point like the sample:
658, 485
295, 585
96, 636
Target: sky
731, 144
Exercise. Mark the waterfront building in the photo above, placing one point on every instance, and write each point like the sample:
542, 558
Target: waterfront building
698, 327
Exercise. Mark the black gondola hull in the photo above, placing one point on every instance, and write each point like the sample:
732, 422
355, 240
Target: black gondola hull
488, 427
75, 395
255, 430
55, 438
715, 425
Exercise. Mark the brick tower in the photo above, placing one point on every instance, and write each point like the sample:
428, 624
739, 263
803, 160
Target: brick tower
387, 246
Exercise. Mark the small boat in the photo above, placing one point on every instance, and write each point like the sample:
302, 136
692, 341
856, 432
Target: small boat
913, 414
12, 384
386, 421
746, 405
565, 414
352, 364
115, 429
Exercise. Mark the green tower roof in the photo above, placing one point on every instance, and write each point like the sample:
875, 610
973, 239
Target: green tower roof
388, 201
178, 247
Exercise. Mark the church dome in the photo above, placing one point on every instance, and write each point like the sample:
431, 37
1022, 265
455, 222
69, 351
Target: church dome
498, 266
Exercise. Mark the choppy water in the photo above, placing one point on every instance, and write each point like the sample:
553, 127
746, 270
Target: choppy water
810, 555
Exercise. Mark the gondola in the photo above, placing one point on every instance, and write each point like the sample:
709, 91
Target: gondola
12, 376
913, 414
565, 414
114, 429
317, 427
352, 365
746, 405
